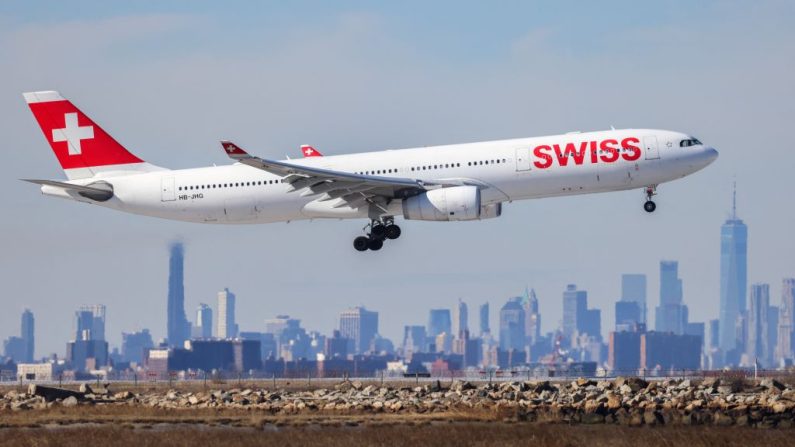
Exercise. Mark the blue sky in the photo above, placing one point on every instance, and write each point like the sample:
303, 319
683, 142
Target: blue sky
169, 79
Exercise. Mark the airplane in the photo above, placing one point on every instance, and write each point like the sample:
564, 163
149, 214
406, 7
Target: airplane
457, 182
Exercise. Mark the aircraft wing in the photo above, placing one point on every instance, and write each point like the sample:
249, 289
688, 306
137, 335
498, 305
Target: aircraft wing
354, 190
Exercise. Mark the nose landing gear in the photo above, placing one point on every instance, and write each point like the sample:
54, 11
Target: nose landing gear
650, 206
380, 230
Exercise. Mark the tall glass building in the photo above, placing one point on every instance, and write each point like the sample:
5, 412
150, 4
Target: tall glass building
28, 324
439, 321
671, 314
733, 276
177, 325
512, 332
227, 327
484, 319
460, 319
633, 289
361, 326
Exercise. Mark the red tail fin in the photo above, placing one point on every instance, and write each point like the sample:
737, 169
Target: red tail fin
80, 145
309, 151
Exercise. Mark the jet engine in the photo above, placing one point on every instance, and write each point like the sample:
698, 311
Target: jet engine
444, 204
490, 211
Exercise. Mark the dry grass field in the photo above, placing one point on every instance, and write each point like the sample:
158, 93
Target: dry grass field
142, 425
397, 434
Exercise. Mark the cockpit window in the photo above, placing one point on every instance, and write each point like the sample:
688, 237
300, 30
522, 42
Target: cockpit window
689, 142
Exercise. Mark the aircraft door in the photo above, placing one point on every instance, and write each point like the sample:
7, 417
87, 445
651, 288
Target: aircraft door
523, 159
650, 147
167, 189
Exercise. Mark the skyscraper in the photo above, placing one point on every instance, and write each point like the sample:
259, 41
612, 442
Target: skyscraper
90, 322
227, 328
627, 315
592, 324
757, 347
460, 319
204, 321
484, 319
288, 335
88, 350
671, 315
532, 324
359, 325
134, 344
772, 334
438, 322
414, 339
177, 325
733, 276
20, 349
512, 320
14, 347
575, 306
714, 333
27, 326
785, 320
633, 289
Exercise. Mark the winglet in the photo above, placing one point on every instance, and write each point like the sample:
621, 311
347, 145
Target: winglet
310, 151
233, 150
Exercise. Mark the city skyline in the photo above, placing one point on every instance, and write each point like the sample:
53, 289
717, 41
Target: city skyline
89, 321
376, 76
579, 332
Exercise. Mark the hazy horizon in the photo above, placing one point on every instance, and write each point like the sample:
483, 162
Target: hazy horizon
170, 79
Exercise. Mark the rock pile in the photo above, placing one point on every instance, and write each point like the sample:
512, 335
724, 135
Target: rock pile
626, 401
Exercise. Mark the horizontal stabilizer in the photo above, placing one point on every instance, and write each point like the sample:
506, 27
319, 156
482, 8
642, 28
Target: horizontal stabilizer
99, 191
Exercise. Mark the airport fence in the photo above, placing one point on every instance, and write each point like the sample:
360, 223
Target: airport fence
309, 378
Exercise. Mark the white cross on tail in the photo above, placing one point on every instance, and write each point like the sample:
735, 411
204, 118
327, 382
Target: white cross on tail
72, 134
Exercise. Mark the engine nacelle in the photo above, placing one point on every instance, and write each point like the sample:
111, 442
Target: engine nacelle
444, 204
491, 211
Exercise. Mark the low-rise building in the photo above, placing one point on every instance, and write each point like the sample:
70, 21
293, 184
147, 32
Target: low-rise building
43, 372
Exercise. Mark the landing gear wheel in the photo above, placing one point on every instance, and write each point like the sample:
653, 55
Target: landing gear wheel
361, 243
378, 232
649, 206
375, 244
393, 232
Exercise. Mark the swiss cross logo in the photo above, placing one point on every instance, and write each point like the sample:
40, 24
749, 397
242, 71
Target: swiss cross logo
230, 148
73, 134
309, 151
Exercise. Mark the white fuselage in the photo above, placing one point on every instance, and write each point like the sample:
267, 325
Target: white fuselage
507, 170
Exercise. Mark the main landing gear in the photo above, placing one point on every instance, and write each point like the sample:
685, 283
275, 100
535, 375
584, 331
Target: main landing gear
650, 206
380, 230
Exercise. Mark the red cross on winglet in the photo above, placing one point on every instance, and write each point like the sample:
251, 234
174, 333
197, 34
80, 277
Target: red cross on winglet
310, 151
232, 149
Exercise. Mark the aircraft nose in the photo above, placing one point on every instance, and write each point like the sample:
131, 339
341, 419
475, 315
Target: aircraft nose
711, 154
